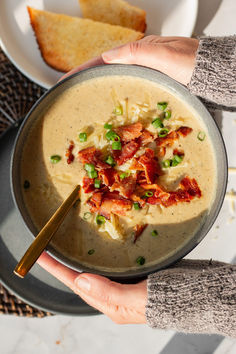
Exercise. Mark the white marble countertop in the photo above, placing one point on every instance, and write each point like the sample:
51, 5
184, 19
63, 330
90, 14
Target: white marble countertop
95, 335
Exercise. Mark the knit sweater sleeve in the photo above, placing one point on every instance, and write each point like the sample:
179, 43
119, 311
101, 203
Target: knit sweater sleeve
214, 75
193, 297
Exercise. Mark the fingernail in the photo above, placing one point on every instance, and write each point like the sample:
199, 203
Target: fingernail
82, 283
110, 54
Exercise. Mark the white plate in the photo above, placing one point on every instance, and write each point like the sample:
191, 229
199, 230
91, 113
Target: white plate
175, 17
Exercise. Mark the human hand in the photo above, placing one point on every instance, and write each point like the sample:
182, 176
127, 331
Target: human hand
123, 303
174, 56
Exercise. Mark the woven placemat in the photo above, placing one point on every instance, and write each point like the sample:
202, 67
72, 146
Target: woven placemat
17, 95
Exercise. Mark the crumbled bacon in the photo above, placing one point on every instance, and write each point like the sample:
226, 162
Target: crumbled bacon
114, 203
146, 137
191, 186
149, 164
125, 186
69, 155
136, 198
184, 131
92, 155
178, 152
127, 152
161, 151
88, 185
167, 140
95, 201
129, 132
116, 195
138, 230
108, 176
187, 191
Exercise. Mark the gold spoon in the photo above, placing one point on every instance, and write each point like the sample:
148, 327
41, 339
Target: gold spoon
45, 235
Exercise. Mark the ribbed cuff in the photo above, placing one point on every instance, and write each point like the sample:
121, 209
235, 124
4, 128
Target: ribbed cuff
214, 75
193, 297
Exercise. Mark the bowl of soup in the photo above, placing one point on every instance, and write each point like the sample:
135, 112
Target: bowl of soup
149, 158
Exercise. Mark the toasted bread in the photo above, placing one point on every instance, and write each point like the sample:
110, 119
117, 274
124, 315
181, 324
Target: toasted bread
66, 42
115, 12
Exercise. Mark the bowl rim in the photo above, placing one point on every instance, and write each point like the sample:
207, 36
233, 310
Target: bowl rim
137, 273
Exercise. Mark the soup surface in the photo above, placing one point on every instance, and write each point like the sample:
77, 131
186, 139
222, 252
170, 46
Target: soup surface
161, 169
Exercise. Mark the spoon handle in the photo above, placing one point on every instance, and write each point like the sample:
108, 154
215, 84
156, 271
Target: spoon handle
45, 235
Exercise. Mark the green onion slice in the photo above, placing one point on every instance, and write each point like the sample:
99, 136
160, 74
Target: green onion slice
201, 136
163, 132
107, 126
116, 145
154, 233
55, 158
97, 183
90, 252
148, 194
162, 105
92, 174
167, 114
123, 175
87, 215
118, 111
26, 184
140, 260
157, 123
136, 206
89, 167
110, 161
111, 135
100, 219
166, 163
82, 137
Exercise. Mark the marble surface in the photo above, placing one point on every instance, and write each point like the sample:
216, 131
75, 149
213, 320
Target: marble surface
90, 335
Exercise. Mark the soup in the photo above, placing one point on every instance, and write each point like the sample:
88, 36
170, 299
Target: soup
145, 164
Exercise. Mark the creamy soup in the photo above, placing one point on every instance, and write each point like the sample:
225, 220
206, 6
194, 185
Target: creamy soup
152, 227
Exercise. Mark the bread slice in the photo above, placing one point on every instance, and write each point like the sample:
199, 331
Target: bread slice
115, 12
66, 42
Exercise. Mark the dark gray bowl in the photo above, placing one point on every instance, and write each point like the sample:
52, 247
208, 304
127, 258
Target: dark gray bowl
178, 90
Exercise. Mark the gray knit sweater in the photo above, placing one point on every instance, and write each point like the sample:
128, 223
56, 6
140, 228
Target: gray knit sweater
200, 296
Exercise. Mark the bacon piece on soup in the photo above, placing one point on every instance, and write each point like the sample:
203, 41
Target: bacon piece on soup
184, 131
161, 151
146, 137
112, 202
191, 186
178, 152
92, 155
127, 152
95, 201
135, 197
125, 186
129, 132
187, 191
108, 176
88, 185
138, 230
167, 140
69, 155
149, 164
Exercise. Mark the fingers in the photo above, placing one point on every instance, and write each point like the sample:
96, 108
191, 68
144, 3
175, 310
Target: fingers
93, 62
121, 302
58, 270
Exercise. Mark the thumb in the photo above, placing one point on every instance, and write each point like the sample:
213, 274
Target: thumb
121, 302
132, 53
